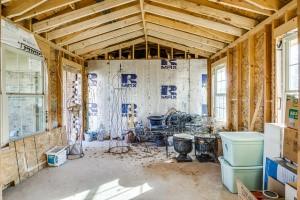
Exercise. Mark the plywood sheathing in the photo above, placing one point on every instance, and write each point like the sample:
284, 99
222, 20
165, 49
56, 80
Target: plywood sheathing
25, 157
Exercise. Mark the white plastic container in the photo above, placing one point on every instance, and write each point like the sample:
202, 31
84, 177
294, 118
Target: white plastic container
243, 149
251, 177
56, 156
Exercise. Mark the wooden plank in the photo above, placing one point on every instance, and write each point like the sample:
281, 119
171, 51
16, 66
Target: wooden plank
268, 74
239, 86
178, 46
266, 4
17, 8
286, 27
179, 40
144, 22
105, 36
209, 88
243, 5
229, 69
77, 14
251, 78
102, 45
197, 30
100, 30
93, 22
289, 6
298, 22
46, 7
188, 36
227, 17
190, 19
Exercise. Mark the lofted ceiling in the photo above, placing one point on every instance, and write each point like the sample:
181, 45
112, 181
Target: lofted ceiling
93, 27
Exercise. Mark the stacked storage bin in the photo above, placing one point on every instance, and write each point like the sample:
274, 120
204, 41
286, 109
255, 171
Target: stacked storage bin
242, 159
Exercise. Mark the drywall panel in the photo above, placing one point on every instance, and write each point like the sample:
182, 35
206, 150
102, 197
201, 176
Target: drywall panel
119, 88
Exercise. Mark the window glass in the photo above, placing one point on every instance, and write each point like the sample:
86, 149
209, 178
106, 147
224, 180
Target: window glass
292, 74
220, 93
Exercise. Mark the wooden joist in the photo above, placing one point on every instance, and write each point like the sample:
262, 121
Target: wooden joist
208, 42
77, 14
106, 43
289, 6
190, 19
179, 40
44, 8
177, 46
143, 19
100, 30
266, 4
228, 17
115, 47
17, 8
93, 22
243, 5
105, 36
197, 30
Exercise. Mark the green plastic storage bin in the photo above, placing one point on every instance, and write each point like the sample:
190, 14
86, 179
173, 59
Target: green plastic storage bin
243, 149
251, 177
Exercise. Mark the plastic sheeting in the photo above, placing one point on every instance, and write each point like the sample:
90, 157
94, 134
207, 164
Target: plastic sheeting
120, 88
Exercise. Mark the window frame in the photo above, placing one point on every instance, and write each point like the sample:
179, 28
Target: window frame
4, 121
216, 67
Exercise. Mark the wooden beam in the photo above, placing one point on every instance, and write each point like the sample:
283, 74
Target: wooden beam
188, 36
239, 86
46, 7
243, 5
158, 51
17, 8
266, 4
259, 27
116, 47
229, 86
93, 22
286, 27
105, 36
200, 31
251, 79
209, 88
77, 14
178, 46
227, 17
190, 19
144, 23
268, 74
179, 40
106, 43
100, 30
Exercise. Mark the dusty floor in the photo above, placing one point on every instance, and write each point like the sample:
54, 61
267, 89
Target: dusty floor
136, 175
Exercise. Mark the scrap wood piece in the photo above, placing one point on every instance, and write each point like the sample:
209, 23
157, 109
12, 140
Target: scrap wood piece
260, 98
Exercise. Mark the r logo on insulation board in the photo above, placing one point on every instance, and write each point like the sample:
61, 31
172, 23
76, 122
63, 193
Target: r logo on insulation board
168, 92
168, 64
128, 80
129, 109
93, 109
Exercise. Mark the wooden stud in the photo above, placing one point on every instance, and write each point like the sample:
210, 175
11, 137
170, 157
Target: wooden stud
158, 51
251, 79
229, 69
209, 88
133, 52
239, 87
268, 74
172, 53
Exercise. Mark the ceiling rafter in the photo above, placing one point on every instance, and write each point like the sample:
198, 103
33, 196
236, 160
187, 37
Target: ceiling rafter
242, 5
198, 21
100, 30
105, 36
109, 42
93, 22
143, 19
17, 8
197, 30
227, 17
180, 40
77, 14
266, 4
44, 8
115, 47
211, 44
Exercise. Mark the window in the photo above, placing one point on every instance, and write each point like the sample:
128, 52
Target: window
220, 93
23, 93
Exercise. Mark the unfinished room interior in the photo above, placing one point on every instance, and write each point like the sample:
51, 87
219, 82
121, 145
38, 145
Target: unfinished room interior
149, 99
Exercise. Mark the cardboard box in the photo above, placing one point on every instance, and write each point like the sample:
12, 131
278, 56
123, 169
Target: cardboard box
276, 186
291, 191
245, 194
292, 112
290, 144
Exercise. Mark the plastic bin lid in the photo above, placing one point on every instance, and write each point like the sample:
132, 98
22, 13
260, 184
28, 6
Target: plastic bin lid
242, 136
225, 163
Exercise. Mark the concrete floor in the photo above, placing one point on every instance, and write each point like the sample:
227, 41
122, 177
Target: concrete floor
135, 175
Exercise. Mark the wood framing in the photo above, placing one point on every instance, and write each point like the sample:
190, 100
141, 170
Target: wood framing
268, 74
209, 88
227, 17
251, 79
229, 68
17, 8
239, 87
77, 14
